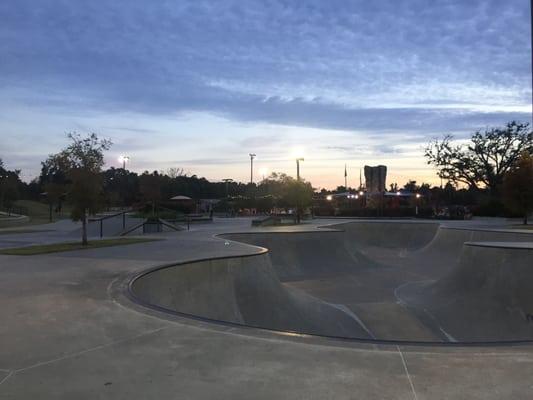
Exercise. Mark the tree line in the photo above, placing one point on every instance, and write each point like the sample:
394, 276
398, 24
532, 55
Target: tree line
492, 169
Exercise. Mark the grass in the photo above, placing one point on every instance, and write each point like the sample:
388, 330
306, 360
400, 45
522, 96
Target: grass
17, 231
38, 213
70, 246
529, 226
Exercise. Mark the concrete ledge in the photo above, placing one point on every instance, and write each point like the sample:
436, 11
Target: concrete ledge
503, 245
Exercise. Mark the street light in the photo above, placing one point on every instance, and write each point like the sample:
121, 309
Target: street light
124, 160
298, 168
263, 171
252, 156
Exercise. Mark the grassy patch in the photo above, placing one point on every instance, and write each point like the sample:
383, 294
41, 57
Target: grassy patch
17, 231
59, 247
528, 226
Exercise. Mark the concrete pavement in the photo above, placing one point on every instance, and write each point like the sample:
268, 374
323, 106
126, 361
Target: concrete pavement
68, 332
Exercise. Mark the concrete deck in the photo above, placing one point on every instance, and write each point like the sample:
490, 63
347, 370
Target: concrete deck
68, 332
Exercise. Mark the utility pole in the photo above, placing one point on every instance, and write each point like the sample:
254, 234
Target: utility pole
252, 156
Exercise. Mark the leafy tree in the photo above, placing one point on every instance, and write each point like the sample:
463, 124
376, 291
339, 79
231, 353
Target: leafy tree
55, 193
299, 194
9, 186
287, 191
150, 188
53, 180
484, 160
121, 186
411, 186
81, 162
518, 186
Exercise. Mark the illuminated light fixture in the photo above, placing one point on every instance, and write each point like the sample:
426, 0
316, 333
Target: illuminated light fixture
356, 196
329, 197
298, 152
418, 195
398, 193
361, 193
124, 160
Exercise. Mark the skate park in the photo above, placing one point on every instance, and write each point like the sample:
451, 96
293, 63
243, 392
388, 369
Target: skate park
384, 281
331, 307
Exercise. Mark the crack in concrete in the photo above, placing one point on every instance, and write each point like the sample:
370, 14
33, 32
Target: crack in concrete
415, 396
5, 378
78, 353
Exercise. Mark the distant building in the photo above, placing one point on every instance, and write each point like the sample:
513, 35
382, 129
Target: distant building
375, 179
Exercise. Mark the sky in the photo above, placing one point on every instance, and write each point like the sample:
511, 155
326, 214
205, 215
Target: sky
199, 85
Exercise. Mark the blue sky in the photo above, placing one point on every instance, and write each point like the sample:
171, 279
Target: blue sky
200, 84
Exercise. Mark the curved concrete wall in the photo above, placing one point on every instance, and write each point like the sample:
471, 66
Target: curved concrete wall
487, 296
425, 281
241, 290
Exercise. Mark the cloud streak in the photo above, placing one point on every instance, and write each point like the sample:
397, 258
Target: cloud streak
403, 68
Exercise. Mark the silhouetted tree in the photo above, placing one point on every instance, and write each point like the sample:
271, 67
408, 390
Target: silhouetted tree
82, 162
485, 159
518, 186
9, 186
150, 188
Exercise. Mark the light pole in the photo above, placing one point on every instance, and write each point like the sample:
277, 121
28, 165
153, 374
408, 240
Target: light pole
298, 180
124, 160
298, 166
417, 198
252, 156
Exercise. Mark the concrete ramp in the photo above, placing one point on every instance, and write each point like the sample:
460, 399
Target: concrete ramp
487, 296
245, 291
390, 281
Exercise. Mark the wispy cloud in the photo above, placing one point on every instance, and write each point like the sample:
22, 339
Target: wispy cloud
386, 73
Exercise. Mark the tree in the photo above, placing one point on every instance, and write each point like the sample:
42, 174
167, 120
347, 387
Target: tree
82, 163
411, 186
518, 186
9, 186
53, 180
299, 194
150, 187
484, 160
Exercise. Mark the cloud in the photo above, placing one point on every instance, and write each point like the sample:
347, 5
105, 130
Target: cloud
409, 69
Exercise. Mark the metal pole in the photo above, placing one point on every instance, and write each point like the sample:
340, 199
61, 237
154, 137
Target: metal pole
531, 25
298, 167
252, 156
101, 228
124, 220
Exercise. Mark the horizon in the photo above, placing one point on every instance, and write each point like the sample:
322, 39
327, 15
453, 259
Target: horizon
200, 85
